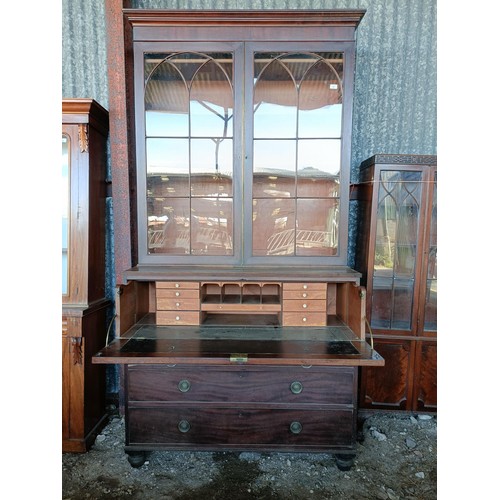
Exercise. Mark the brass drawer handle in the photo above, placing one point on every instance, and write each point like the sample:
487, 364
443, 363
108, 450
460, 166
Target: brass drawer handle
184, 426
296, 387
295, 427
184, 385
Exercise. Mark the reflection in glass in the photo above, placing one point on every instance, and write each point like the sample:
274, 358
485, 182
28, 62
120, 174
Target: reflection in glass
169, 228
211, 167
274, 168
167, 166
189, 107
65, 212
395, 248
318, 169
211, 226
297, 96
430, 320
317, 227
273, 226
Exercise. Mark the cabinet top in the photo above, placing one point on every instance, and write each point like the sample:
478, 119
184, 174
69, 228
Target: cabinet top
255, 273
85, 110
399, 159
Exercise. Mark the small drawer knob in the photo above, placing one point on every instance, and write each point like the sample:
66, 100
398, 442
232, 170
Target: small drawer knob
304, 287
304, 306
296, 387
304, 319
177, 294
295, 427
177, 318
184, 426
177, 285
304, 295
177, 304
184, 385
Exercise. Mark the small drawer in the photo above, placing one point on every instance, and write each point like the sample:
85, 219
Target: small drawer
177, 318
178, 304
304, 319
305, 286
304, 305
178, 284
176, 293
301, 294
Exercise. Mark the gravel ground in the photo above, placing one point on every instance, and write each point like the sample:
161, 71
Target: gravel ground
396, 459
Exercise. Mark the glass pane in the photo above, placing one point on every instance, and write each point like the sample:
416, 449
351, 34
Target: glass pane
166, 100
167, 167
168, 225
65, 212
381, 312
212, 226
430, 320
398, 215
275, 99
273, 226
211, 105
318, 168
402, 304
274, 168
317, 227
320, 100
211, 167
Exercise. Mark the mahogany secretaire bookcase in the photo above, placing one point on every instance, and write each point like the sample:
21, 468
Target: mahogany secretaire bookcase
84, 305
240, 325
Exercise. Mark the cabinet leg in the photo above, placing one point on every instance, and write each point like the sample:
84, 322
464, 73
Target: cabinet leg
345, 462
136, 458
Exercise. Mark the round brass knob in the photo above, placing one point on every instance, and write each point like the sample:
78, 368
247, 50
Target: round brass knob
184, 426
295, 427
296, 387
184, 385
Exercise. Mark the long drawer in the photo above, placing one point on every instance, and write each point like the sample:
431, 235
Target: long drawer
291, 386
240, 426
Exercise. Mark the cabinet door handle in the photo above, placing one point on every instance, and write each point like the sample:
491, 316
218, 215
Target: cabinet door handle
184, 385
184, 426
295, 427
296, 387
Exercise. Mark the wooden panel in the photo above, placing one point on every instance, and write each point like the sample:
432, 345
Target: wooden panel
241, 426
388, 387
304, 319
426, 377
270, 386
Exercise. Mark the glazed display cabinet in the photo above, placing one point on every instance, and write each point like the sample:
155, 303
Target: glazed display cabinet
240, 325
84, 305
397, 256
